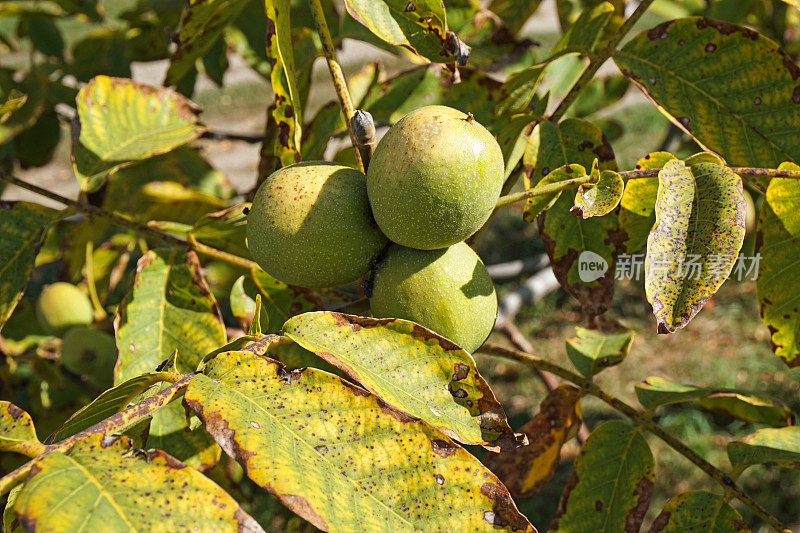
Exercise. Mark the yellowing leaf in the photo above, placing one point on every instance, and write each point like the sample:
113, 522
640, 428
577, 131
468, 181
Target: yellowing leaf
610, 486
17, 433
102, 485
599, 196
340, 457
779, 248
638, 205
169, 308
694, 243
287, 110
771, 446
698, 510
123, 121
22, 226
412, 369
527, 469
688, 67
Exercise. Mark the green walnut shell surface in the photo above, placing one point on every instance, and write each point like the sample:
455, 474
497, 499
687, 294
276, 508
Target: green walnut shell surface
62, 306
435, 178
90, 353
311, 225
448, 291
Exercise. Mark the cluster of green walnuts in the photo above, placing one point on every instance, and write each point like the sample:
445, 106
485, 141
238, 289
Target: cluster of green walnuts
433, 181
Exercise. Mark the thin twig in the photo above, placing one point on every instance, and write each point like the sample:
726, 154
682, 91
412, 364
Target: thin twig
126, 222
339, 83
643, 421
111, 425
550, 188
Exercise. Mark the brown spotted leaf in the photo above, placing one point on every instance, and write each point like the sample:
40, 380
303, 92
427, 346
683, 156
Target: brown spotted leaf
340, 457
770, 446
541, 202
698, 511
17, 433
169, 307
527, 469
102, 485
286, 112
732, 89
202, 24
410, 368
638, 205
599, 196
610, 486
582, 252
698, 231
779, 248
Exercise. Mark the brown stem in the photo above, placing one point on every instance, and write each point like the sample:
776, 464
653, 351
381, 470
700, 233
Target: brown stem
339, 83
643, 421
111, 425
126, 222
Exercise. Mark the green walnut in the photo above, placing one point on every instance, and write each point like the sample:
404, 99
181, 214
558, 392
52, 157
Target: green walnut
435, 178
62, 306
311, 225
90, 353
448, 291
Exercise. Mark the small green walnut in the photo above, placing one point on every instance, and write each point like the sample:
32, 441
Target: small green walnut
311, 225
435, 178
62, 306
448, 291
90, 353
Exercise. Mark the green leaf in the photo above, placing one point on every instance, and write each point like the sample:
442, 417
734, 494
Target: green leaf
698, 511
287, 111
591, 351
778, 243
512, 139
687, 66
22, 226
101, 485
588, 31
418, 25
202, 25
36, 87
108, 403
527, 469
169, 307
514, 13
179, 186
35, 146
568, 240
123, 121
600, 93
654, 392
694, 243
340, 457
43, 34
279, 301
477, 93
410, 368
519, 89
610, 486
599, 196
17, 432
637, 212
170, 431
225, 230
770, 446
